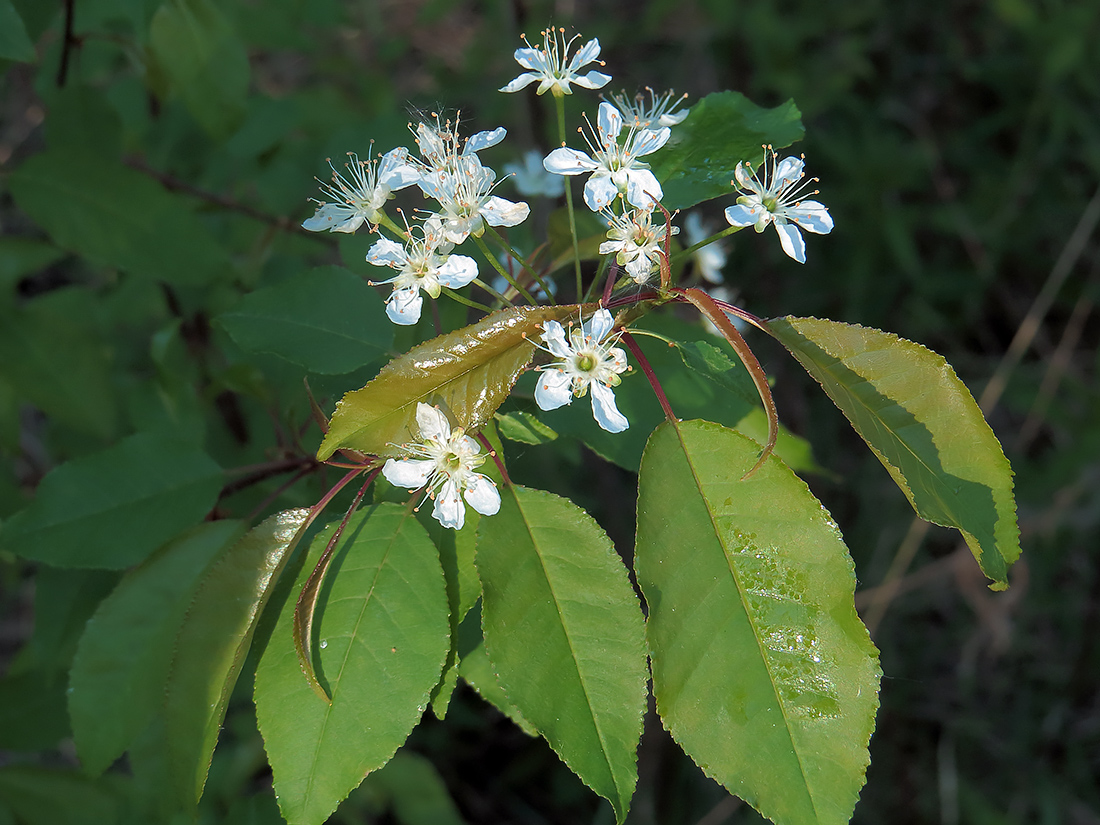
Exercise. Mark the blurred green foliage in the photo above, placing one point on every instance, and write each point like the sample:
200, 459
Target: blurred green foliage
151, 180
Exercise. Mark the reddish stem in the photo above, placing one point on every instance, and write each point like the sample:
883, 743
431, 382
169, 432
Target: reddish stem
500, 464
643, 362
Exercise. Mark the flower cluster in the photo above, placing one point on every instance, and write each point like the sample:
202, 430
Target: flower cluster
619, 186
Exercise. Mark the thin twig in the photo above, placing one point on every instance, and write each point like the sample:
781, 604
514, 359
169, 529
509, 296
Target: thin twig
67, 43
647, 368
176, 185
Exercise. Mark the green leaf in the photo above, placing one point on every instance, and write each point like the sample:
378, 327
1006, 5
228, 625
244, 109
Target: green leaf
121, 666
565, 634
383, 637
14, 42
524, 428
42, 796
211, 644
924, 426
115, 216
721, 130
467, 373
326, 320
32, 711
416, 791
762, 670
477, 671
111, 509
194, 44
52, 354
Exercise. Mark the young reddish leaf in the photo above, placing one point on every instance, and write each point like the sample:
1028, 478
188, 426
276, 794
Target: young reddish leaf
468, 373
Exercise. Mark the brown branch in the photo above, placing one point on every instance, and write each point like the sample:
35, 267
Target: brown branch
174, 184
67, 43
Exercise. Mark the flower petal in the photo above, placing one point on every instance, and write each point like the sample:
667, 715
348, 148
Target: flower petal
609, 122
605, 412
385, 252
649, 140
501, 212
481, 494
522, 82
787, 171
433, 423
600, 190
598, 325
643, 189
449, 509
529, 59
483, 140
741, 215
335, 217
403, 306
585, 54
791, 239
554, 389
593, 80
457, 271
553, 335
408, 472
566, 161
811, 216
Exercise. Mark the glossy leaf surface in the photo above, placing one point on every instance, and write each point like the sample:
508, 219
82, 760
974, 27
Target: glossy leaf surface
467, 373
721, 130
381, 640
564, 633
762, 670
118, 675
111, 509
924, 426
211, 644
327, 320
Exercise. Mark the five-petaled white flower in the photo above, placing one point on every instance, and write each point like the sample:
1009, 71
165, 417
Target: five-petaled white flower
636, 242
359, 197
443, 462
615, 167
424, 264
549, 65
651, 114
776, 199
585, 361
709, 259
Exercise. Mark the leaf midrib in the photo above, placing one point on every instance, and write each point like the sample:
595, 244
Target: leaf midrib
749, 615
572, 651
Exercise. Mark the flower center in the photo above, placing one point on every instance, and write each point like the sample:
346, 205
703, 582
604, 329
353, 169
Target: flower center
586, 361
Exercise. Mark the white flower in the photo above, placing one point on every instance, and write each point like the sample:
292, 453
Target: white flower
615, 168
532, 179
775, 199
422, 265
654, 113
548, 65
709, 259
443, 462
361, 196
440, 146
586, 361
466, 201
638, 244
